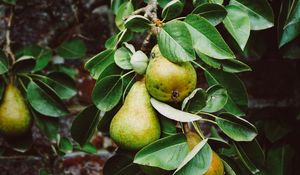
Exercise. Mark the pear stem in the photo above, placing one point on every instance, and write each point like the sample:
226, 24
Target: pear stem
186, 128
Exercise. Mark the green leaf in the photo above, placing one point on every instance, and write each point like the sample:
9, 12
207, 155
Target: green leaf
230, 65
115, 5
121, 164
122, 58
236, 128
85, 124
112, 41
227, 168
237, 22
99, 62
137, 23
124, 11
197, 161
280, 160
175, 42
172, 9
11, 2
88, 148
195, 101
290, 26
237, 95
254, 152
72, 49
276, 130
206, 38
111, 70
217, 143
3, 63
173, 113
44, 100
216, 99
43, 171
65, 145
260, 13
214, 13
24, 64
108, 92
42, 55
168, 127
48, 125
166, 153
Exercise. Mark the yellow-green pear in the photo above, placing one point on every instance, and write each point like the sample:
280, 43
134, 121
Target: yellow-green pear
136, 124
14, 115
167, 81
216, 167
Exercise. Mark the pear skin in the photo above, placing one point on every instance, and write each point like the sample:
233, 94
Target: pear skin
14, 115
136, 124
216, 166
167, 81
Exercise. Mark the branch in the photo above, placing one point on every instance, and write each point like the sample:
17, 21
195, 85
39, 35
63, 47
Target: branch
151, 10
7, 48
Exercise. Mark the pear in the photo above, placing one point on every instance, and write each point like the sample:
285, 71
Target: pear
136, 124
167, 81
14, 115
216, 166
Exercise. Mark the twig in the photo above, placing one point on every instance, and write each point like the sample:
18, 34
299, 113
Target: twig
7, 48
146, 41
151, 10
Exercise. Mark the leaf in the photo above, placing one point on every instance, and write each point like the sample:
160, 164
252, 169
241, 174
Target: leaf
217, 143
172, 9
216, 99
42, 55
195, 101
48, 125
290, 27
237, 22
229, 65
65, 145
115, 5
175, 42
87, 148
85, 124
72, 49
121, 164
99, 62
137, 23
276, 130
107, 92
236, 128
227, 168
166, 153
172, 113
124, 11
207, 39
214, 13
44, 100
280, 160
3, 63
111, 70
260, 13
43, 171
24, 64
237, 96
254, 152
11, 2
168, 127
197, 161
122, 58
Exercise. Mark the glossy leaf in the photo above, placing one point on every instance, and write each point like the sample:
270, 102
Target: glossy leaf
237, 96
260, 13
85, 124
217, 143
229, 65
254, 152
172, 9
48, 125
99, 62
206, 38
137, 23
44, 100
168, 127
175, 42
237, 22
122, 58
236, 128
166, 153
214, 13
72, 49
197, 161
228, 169
110, 70
216, 99
173, 113
107, 92
24, 64
195, 101
115, 5
65, 145
87, 148
3, 63
124, 11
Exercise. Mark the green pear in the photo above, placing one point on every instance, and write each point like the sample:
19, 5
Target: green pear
14, 115
136, 124
167, 81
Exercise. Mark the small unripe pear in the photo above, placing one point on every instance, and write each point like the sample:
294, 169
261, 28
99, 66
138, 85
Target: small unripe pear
14, 114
